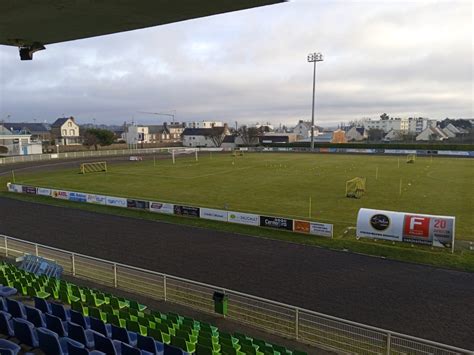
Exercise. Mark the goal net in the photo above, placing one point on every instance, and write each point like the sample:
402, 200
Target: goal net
237, 153
355, 187
411, 158
95, 167
180, 152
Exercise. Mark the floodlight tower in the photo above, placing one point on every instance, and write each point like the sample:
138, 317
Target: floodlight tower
314, 58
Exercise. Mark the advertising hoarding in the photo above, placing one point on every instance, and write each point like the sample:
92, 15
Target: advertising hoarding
243, 218
138, 204
60, 194
216, 215
321, 229
30, 190
160, 207
43, 191
186, 211
97, 199
407, 227
116, 201
77, 196
276, 222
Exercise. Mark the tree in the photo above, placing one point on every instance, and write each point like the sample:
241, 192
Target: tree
217, 135
249, 135
384, 117
96, 136
375, 134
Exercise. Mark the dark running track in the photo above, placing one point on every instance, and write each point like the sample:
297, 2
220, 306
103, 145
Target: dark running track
418, 300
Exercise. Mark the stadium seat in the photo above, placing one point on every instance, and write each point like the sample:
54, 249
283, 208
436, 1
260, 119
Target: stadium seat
7, 291
173, 350
35, 316
183, 344
50, 343
8, 347
149, 344
56, 325
106, 345
59, 311
15, 308
42, 305
80, 319
25, 332
101, 327
125, 336
6, 327
81, 335
130, 350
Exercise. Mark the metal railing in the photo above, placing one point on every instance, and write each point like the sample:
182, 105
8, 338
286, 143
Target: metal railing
289, 321
83, 154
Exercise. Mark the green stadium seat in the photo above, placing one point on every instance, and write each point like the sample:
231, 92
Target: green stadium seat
183, 344
134, 326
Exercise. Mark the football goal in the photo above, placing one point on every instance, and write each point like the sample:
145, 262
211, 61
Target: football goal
355, 187
186, 151
411, 158
95, 167
237, 153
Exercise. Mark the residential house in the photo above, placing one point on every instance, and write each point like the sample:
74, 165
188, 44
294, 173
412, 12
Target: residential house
303, 130
39, 132
204, 124
204, 137
277, 138
339, 136
65, 131
432, 134
17, 144
356, 134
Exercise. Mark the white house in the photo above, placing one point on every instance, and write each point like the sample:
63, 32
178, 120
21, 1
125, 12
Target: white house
356, 134
17, 144
65, 131
432, 134
303, 130
204, 124
204, 137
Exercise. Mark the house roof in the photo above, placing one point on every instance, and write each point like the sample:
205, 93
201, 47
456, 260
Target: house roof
229, 139
29, 127
325, 137
203, 131
4, 131
156, 129
59, 122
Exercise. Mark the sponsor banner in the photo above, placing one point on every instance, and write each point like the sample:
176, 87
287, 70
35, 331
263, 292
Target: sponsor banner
15, 188
43, 192
54, 156
400, 151
77, 196
97, 199
332, 150
357, 150
301, 226
142, 205
321, 229
324, 150
29, 190
407, 227
186, 211
276, 222
62, 195
161, 207
216, 215
452, 152
116, 201
243, 218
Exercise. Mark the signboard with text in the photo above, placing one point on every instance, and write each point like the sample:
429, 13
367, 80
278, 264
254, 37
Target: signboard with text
276, 222
406, 227
160, 207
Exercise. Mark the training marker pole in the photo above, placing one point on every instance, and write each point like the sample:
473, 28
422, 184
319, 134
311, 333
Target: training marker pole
309, 212
400, 187
172, 153
376, 173
13, 176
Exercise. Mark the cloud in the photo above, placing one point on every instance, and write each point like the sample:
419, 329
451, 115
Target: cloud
404, 58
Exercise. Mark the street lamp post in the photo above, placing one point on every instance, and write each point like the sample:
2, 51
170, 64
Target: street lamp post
314, 58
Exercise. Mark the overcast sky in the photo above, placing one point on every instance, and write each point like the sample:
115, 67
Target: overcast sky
406, 58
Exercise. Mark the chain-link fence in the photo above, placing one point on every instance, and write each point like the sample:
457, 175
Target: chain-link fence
289, 321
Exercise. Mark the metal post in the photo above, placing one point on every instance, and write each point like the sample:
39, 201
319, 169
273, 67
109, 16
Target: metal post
115, 275
73, 262
389, 345
36, 250
164, 287
297, 324
312, 110
6, 246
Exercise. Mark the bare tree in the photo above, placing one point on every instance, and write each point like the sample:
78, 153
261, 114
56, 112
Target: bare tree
249, 135
217, 136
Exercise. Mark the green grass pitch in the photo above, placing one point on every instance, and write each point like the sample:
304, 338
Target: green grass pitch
282, 184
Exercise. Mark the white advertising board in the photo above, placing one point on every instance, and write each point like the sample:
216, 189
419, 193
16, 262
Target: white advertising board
244, 218
321, 229
216, 215
406, 227
116, 201
43, 192
97, 199
62, 195
15, 188
160, 207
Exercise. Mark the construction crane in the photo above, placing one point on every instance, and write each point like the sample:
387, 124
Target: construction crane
161, 113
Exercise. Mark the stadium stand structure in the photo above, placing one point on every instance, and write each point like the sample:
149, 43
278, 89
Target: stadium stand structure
81, 320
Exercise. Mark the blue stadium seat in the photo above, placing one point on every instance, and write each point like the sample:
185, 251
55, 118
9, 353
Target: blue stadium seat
173, 350
79, 318
106, 345
15, 308
101, 327
35, 316
6, 291
8, 347
42, 305
50, 343
6, 327
58, 310
149, 344
79, 334
124, 335
130, 350
25, 332
56, 325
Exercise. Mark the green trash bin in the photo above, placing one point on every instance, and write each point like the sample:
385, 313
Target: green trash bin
220, 303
